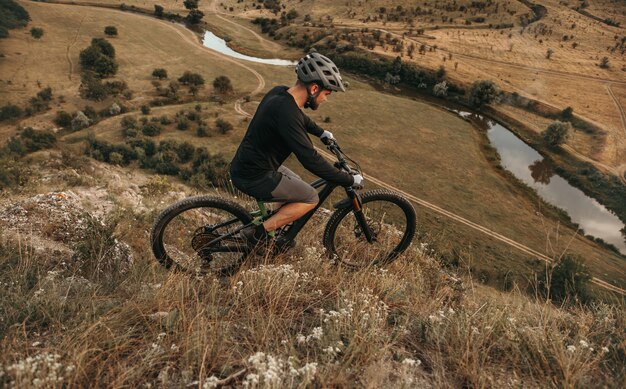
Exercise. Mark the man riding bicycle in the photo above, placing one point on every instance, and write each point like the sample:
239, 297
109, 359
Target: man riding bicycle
278, 129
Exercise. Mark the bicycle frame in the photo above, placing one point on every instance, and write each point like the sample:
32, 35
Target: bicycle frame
327, 188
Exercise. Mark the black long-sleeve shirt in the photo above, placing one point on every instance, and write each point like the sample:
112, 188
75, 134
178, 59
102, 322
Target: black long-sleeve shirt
278, 129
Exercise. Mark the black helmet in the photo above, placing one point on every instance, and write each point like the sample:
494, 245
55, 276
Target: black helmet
315, 67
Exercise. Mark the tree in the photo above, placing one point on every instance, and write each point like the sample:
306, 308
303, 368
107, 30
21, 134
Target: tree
105, 66
36, 32
158, 10
189, 78
549, 53
482, 92
159, 73
89, 56
110, 30
556, 133
104, 46
191, 4
222, 85
195, 16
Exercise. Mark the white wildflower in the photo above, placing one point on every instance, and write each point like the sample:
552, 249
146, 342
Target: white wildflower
211, 382
411, 362
571, 348
300, 338
583, 344
605, 350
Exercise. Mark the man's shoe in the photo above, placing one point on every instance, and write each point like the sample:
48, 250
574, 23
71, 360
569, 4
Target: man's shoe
255, 236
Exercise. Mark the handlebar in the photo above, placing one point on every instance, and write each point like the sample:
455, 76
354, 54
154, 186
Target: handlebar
342, 159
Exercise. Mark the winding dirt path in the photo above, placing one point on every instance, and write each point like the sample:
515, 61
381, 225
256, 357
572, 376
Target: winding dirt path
619, 107
69, 47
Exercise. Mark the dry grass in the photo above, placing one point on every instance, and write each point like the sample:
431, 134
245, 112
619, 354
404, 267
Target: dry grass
291, 321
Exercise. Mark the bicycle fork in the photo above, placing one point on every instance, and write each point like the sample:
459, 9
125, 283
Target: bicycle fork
357, 207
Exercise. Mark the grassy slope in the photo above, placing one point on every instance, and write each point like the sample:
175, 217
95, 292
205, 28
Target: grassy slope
146, 325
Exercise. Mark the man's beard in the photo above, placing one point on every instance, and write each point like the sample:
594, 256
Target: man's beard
314, 105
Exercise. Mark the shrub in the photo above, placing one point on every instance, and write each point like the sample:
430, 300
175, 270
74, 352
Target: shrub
116, 158
202, 131
145, 109
222, 85
441, 89
159, 73
16, 146
182, 123
91, 88
36, 32
604, 63
185, 152
34, 140
556, 133
150, 129
63, 119
114, 109
223, 126
45, 94
482, 92
165, 120
129, 122
189, 78
190, 4
158, 10
110, 30
10, 111
91, 113
567, 113
569, 277
80, 121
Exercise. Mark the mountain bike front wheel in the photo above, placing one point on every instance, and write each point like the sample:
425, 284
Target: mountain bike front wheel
391, 220
200, 234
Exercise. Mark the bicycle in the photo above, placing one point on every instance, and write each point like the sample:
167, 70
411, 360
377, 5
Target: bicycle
201, 233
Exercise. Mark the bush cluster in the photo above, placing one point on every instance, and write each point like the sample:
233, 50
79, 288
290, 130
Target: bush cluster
99, 57
192, 164
30, 140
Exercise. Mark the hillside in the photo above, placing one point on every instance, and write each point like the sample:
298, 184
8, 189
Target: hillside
84, 304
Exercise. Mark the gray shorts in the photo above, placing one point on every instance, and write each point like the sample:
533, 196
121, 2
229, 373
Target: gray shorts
289, 188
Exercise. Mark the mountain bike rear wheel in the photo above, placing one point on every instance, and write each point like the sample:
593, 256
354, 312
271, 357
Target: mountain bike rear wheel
182, 234
390, 218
